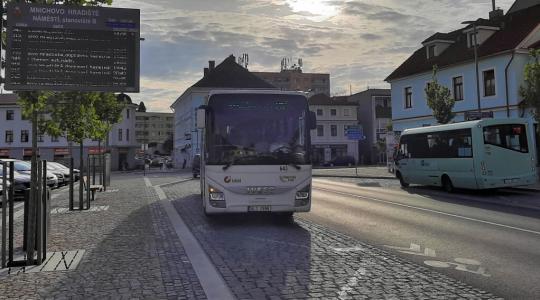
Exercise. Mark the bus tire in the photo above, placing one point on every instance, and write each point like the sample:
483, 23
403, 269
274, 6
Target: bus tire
402, 181
447, 184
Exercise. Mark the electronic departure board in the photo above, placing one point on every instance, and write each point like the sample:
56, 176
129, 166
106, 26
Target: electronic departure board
70, 48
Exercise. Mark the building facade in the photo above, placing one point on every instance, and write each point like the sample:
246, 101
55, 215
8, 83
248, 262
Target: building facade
227, 75
296, 80
153, 129
329, 140
374, 117
16, 138
502, 44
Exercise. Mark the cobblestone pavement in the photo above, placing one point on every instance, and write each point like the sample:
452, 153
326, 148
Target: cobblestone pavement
131, 251
263, 257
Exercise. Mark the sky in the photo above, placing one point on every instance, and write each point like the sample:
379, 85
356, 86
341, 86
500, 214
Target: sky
358, 42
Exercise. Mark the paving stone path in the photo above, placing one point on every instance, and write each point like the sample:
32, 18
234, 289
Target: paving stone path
131, 251
263, 257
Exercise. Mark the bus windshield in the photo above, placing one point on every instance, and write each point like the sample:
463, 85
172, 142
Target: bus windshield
262, 129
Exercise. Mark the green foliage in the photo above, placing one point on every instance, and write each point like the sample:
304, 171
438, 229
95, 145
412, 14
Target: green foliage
142, 107
439, 100
530, 91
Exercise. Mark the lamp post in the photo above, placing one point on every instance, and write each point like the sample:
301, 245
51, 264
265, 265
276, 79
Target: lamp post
475, 41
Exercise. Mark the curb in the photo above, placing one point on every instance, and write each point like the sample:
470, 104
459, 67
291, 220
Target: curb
357, 177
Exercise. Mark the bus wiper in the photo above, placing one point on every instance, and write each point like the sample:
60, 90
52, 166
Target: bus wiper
229, 164
295, 166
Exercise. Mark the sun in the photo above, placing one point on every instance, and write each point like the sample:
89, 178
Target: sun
321, 9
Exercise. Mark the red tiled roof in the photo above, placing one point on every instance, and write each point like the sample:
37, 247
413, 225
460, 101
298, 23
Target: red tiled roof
514, 28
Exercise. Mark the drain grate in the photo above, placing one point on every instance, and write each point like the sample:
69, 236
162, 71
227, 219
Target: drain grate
65, 210
56, 261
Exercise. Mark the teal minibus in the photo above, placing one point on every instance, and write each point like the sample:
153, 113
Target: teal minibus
482, 154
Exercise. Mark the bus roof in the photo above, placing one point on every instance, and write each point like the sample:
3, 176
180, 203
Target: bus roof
464, 125
256, 91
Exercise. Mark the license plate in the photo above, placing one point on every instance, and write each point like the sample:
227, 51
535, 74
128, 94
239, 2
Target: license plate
255, 208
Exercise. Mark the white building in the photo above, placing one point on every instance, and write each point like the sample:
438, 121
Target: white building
334, 116
503, 44
16, 138
226, 75
374, 115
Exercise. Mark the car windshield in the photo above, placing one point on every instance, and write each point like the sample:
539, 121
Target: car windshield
22, 166
266, 129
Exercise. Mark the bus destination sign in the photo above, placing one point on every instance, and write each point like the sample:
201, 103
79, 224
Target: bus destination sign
72, 48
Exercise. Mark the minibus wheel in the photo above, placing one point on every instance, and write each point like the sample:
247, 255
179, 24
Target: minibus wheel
402, 181
447, 184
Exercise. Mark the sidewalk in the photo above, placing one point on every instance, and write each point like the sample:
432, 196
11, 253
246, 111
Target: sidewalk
130, 251
368, 172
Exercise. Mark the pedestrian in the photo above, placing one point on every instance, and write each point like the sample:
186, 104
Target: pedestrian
184, 164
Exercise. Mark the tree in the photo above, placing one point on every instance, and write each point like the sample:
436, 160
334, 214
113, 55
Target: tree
168, 145
530, 91
142, 107
440, 100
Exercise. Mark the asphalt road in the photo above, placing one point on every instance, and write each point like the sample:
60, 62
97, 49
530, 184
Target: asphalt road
489, 246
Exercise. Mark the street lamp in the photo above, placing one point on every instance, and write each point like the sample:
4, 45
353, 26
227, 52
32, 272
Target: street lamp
476, 63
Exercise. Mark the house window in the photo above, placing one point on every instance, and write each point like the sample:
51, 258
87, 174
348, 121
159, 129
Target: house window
9, 136
431, 51
346, 112
120, 135
320, 130
24, 136
489, 83
10, 114
54, 139
471, 39
408, 97
333, 112
127, 134
458, 88
333, 130
40, 137
319, 112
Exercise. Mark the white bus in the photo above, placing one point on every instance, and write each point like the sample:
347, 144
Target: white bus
483, 154
256, 152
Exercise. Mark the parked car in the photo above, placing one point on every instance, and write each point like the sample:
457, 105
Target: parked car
21, 181
59, 168
342, 161
24, 167
196, 166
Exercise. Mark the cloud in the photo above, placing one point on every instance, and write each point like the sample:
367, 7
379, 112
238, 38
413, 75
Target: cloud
359, 43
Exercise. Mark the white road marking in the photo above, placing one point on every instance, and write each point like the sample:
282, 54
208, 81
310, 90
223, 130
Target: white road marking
460, 264
429, 210
349, 249
211, 281
414, 249
353, 281
147, 182
160, 192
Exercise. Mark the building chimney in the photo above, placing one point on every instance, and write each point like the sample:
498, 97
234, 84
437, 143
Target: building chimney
495, 13
205, 72
211, 65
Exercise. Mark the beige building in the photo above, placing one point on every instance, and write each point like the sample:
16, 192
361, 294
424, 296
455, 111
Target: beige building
153, 128
334, 117
296, 80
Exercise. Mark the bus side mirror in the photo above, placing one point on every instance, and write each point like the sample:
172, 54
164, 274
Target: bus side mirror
312, 120
201, 118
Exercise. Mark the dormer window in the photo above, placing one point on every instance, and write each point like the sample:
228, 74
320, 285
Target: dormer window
482, 34
430, 51
471, 38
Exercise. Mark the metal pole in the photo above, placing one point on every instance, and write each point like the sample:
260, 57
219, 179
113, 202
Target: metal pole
38, 211
43, 216
71, 183
93, 169
11, 199
4, 214
88, 183
33, 191
476, 64
81, 167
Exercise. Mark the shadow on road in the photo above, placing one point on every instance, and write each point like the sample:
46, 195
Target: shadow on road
500, 200
258, 255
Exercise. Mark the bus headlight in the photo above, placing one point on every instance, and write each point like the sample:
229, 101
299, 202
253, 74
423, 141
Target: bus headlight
302, 196
217, 197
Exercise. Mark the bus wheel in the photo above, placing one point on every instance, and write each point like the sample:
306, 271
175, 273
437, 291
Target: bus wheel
447, 184
402, 181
